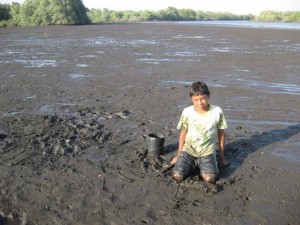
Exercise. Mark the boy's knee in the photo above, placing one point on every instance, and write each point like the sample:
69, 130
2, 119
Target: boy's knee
211, 178
177, 175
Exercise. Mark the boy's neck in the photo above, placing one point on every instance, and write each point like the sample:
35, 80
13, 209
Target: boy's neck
203, 111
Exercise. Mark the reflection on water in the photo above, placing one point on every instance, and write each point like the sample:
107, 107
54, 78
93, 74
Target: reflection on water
82, 65
225, 49
78, 75
37, 63
157, 61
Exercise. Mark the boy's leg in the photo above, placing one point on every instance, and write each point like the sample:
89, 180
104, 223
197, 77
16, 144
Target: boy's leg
208, 168
183, 166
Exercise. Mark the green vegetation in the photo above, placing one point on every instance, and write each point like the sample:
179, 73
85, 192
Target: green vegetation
169, 14
4, 14
46, 12
273, 16
58, 12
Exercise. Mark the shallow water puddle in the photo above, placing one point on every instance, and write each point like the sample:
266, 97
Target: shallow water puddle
58, 108
121, 87
144, 54
141, 42
226, 49
114, 42
287, 150
30, 97
82, 65
185, 54
167, 82
88, 56
262, 122
78, 75
243, 70
281, 87
181, 106
13, 113
37, 63
190, 37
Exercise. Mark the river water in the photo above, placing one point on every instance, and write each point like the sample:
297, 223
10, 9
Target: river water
251, 24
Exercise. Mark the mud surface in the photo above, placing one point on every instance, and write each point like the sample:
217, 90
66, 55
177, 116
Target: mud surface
76, 102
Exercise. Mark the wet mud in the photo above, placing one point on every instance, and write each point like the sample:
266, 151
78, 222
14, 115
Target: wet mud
77, 102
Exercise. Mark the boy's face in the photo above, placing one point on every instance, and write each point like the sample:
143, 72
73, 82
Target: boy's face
200, 102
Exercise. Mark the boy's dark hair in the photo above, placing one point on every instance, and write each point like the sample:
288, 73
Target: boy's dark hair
199, 88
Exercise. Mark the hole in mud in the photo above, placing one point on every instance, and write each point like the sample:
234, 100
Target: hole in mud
2, 137
93, 155
8, 221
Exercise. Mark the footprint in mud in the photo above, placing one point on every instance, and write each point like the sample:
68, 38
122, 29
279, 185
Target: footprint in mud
256, 170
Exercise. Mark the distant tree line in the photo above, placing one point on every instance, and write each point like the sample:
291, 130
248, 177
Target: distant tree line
58, 12
273, 16
169, 14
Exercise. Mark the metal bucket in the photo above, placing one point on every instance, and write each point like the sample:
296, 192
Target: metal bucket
155, 144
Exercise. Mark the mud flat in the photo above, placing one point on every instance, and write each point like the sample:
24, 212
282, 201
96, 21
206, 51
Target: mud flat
77, 100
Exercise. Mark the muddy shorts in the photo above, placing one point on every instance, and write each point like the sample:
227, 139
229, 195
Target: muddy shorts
187, 164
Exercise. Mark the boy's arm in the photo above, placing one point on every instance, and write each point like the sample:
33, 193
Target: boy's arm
181, 143
221, 137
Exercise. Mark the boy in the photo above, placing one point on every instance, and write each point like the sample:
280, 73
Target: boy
200, 124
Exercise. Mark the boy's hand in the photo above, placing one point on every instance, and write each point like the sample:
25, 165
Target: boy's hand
173, 161
224, 162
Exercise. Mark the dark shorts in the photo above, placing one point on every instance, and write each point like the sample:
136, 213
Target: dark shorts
187, 164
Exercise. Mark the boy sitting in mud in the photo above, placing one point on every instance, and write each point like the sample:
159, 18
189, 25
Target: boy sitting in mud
200, 124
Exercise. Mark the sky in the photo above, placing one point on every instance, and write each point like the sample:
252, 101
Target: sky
234, 6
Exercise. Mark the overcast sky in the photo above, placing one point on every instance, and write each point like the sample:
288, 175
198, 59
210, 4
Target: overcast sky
233, 6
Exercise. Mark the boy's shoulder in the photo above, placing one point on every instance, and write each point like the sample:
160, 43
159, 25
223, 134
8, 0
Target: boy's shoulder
214, 107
